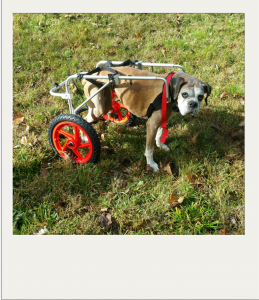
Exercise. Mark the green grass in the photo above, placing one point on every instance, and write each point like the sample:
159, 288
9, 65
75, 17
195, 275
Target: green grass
68, 200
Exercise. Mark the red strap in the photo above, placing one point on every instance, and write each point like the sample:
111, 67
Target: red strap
164, 107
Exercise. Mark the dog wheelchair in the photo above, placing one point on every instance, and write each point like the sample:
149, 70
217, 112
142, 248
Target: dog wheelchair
70, 135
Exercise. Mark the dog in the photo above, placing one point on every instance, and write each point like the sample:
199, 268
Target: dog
137, 95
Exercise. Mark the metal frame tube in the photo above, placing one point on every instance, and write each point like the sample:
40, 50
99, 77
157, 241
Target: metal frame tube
69, 96
103, 87
144, 64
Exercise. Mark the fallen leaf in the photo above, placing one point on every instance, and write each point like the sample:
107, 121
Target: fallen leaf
137, 35
168, 169
18, 120
17, 146
104, 209
112, 51
84, 32
236, 134
96, 47
173, 199
232, 220
148, 168
45, 163
60, 204
215, 127
180, 200
242, 124
44, 172
193, 179
224, 95
194, 139
105, 220
41, 231
42, 224
24, 140
16, 42
146, 223
68, 16
164, 51
223, 231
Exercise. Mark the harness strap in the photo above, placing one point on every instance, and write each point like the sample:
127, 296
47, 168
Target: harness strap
155, 105
164, 107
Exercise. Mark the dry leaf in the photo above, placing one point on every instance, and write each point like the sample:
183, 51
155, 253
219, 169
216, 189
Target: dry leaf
242, 124
164, 51
236, 134
105, 220
137, 35
17, 146
215, 127
24, 140
84, 32
146, 223
232, 220
193, 179
60, 204
180, 200
41, 231
224, 95
68, 16
16, 42
18, 120
168, 169
96, 47
112, 51
148, 168
173, 199
194, 139
223, 231
104, 209
44, 172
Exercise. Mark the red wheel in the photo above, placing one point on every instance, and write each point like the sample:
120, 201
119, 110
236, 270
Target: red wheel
119, 113
70, 135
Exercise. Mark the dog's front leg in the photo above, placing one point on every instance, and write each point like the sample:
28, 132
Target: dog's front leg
151, 134
158, 138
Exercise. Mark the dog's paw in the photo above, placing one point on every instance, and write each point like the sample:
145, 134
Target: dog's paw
154, 166
163, 146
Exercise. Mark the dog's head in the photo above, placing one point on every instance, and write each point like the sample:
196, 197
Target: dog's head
189, 92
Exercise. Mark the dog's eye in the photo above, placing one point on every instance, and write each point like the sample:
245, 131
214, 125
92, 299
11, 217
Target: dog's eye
185, 95
200, 97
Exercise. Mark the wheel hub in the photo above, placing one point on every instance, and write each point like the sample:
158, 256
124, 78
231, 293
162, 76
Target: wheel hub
72, 144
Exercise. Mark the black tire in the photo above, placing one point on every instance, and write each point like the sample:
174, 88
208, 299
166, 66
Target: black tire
74, 122
131, 120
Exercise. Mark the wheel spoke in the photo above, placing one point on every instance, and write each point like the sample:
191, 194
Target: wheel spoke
119, 113
65, 146
66, 134
77, 153
76, 131
83, 145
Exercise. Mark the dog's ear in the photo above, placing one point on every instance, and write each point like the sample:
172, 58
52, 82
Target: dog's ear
176, 83
207, 90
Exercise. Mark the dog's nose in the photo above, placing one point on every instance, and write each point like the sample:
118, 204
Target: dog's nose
193, 104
